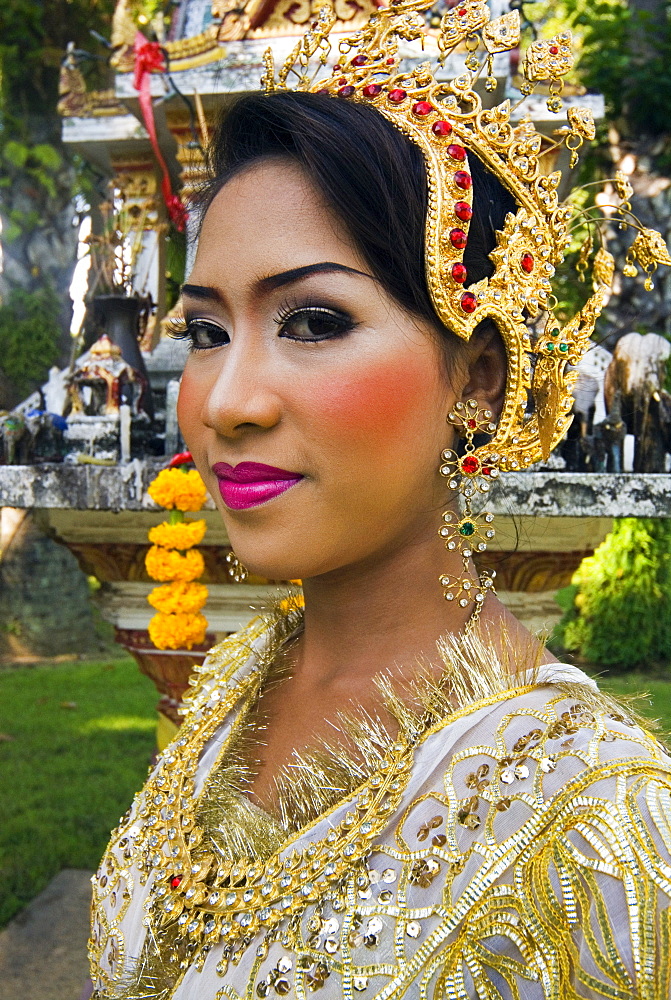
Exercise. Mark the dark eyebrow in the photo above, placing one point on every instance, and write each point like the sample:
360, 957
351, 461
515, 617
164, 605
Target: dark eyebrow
201, 292
298, 273
274, 281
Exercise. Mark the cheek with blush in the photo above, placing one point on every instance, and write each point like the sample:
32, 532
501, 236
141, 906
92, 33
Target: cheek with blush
377, 406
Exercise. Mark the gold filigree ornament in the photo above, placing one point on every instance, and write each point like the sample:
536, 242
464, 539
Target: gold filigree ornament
466, 532
447, 120
649, 250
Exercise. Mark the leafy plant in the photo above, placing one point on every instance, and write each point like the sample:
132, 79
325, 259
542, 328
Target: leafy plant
619, 610
29, 332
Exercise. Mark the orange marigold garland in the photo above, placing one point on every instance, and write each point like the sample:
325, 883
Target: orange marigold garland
178, 489
174, 561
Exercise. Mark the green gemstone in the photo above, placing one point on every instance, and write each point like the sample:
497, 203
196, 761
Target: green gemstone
563, 348
467, 528
554, 333
550, 347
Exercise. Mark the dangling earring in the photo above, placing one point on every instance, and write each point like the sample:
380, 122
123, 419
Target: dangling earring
236, 570
468, 532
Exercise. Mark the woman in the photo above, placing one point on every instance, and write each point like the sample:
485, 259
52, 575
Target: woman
383, 793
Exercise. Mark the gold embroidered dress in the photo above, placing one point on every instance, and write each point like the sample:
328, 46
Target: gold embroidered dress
516, 846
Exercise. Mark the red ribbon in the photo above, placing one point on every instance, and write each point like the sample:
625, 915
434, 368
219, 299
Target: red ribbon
149, 59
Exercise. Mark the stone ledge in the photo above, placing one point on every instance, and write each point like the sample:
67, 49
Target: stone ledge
549, 494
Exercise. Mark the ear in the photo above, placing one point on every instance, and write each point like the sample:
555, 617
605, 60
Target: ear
487, 370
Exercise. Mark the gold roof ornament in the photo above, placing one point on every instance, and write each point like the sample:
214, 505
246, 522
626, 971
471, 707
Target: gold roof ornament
448, 121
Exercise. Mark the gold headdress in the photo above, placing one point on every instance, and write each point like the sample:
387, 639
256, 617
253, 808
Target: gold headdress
447, 120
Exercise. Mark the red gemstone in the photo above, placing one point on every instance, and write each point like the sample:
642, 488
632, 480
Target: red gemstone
486, 470
554, 50
422, 108
459, 273
175, 881
458, 239
372, 90
324, 90
359, 61
456, 152
342, 81
336, 69
463, 180
470, 465
472, 424
527, 262
441, 128
346, 91
397, 96
390, 61
469, 302
461, 12
463, 211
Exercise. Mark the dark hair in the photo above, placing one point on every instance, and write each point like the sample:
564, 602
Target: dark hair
371, 176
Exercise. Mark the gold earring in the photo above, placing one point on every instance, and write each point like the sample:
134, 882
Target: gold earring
236, 570
468, 532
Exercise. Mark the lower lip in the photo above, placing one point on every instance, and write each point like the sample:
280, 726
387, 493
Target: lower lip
240, 496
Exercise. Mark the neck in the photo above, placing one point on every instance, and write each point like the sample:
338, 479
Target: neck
382, 613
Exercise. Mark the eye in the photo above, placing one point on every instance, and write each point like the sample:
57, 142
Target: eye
314, 323
204, 335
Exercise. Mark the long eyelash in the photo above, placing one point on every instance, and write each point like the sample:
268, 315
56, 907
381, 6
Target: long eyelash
288, 309
175, 327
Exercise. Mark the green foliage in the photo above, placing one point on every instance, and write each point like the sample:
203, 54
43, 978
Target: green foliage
36, 166
624, 54
33, 39
76, 743
29, 333
619, 610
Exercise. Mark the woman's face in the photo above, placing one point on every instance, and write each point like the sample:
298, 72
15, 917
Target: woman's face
303, 363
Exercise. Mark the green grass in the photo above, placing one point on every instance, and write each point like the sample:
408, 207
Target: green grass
75, 744
656, 706
68, 773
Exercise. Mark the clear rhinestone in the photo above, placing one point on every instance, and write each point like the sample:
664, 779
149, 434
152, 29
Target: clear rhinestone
413, 929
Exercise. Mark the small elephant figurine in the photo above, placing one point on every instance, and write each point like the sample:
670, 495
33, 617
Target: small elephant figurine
15, 435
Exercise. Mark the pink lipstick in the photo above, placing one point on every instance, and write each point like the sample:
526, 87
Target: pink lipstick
251, 483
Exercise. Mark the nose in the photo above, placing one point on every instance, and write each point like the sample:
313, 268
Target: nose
244, 393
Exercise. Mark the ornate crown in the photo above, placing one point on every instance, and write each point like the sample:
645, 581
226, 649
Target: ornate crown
447, 120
